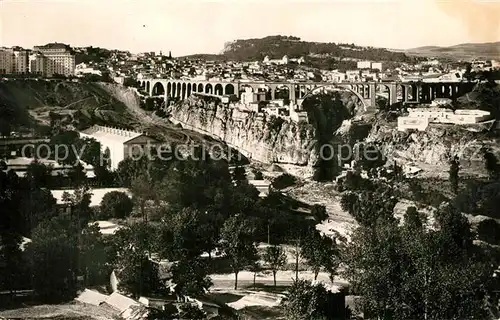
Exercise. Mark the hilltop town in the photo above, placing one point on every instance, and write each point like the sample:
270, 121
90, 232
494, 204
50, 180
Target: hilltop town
293, 183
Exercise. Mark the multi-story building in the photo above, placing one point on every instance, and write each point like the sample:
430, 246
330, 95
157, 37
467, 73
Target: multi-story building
377, 65
37, 63
364, 64
60, 59
20, 61
420, 118
120, 143
6, 60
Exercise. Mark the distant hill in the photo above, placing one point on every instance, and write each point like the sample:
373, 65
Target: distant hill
277, 46
464, 51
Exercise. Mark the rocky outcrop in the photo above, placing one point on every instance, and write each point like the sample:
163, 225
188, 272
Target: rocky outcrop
263, 138
434, 146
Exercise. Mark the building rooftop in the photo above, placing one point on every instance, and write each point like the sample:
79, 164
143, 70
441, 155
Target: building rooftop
53, 45
111, 135
96, 197
120, 302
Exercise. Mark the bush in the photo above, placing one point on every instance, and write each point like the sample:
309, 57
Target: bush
319, 212
258, 175
489, 231
116, 204
283, 181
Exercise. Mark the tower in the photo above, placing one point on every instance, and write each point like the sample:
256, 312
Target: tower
170, 54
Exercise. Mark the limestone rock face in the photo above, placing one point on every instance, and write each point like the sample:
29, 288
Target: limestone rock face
263, 138
434, 146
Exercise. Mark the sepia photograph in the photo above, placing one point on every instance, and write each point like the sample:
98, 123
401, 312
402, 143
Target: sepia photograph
249, 159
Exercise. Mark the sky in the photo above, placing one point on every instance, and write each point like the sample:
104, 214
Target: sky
202, 26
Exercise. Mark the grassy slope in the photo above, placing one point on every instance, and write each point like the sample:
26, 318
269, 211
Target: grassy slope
26, 103
461, 51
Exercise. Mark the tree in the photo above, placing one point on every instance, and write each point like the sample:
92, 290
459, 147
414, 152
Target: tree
94, 261
77, 175
454, 168
34, 206
14, 267
54, 252
320, 251
258, 175
143, 190
491, 165
307, 301
409, 272
138, 274
368, 206
191, 277
283, 181
79, 203
255, 267
38, 174
275, 258
185, 311
191, 312
239, 174
319, 212
489, 230
468, 72
237, 244
116, 204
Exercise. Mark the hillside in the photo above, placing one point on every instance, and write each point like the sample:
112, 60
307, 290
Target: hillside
465, 51
41, 105
277, 46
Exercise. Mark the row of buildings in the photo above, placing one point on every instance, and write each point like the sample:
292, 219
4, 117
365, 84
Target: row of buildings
47, 60
440, 112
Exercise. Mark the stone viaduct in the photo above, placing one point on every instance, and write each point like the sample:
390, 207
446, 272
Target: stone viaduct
407, 92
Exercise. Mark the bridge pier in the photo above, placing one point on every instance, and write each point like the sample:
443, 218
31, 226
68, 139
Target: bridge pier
373, 95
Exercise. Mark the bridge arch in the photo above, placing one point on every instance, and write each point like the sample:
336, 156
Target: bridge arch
174, 90
268, 90
194, 87
344, 87
179, 90
229, 89
188, 90
184, 89
218, 89
169, 89
282, 92
158, 89
148, 86
209, 88
200, 88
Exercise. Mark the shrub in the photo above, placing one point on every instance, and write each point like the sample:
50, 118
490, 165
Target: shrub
258, 175
283, 181
489, 231
116, 204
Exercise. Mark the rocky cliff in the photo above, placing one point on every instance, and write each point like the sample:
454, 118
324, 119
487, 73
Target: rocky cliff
434, 146
263, 138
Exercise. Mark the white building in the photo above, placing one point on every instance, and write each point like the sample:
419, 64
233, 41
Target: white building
120, 143
377, 65
82, 68
353, 75
281, 61
364, 64
419, 118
